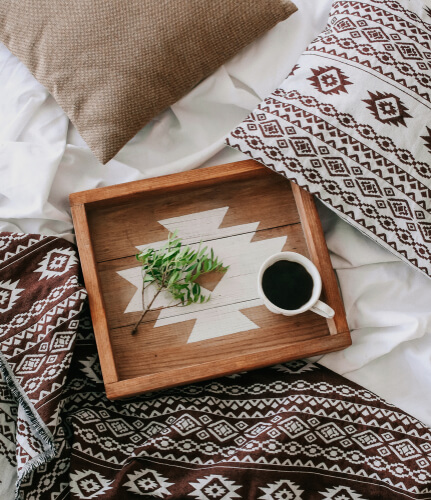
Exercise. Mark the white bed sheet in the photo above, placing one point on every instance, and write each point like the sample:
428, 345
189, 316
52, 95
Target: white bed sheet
43, 159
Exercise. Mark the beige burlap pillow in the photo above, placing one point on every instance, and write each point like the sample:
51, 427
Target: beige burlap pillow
113, 65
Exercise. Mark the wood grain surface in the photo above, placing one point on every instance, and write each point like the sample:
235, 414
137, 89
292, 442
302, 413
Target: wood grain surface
246, 213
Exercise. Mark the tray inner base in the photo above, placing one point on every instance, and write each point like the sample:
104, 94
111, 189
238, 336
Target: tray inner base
246, 221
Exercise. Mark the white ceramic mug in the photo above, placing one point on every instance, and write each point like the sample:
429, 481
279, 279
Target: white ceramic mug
314, 304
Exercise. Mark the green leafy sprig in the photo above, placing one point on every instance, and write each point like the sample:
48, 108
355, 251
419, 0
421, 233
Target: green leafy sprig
175, 268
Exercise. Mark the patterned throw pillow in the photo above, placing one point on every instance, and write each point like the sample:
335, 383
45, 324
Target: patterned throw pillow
352, 123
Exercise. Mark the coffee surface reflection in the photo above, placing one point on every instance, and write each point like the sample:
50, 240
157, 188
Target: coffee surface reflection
287, 284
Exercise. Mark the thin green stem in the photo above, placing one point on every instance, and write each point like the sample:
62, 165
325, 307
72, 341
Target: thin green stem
144, 312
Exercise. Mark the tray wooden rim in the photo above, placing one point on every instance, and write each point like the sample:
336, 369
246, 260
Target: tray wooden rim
339, 337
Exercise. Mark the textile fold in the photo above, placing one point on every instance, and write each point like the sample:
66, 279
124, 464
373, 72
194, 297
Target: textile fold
291, 431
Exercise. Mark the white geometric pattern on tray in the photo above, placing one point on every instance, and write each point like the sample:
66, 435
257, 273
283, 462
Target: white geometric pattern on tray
237, 288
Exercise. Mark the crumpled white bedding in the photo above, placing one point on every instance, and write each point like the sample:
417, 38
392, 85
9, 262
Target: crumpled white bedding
43, 159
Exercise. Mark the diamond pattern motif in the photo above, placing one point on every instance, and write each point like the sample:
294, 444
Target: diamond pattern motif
405, 449
367, 439
330, 432
293, 427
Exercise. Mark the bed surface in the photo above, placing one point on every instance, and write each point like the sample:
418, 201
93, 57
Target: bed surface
43, 159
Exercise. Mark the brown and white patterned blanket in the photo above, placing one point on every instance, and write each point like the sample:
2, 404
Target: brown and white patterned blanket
289, 432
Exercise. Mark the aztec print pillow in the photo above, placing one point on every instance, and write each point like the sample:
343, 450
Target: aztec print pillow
352, 123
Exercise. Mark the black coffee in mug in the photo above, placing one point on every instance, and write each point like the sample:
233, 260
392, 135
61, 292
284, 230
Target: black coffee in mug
288, 285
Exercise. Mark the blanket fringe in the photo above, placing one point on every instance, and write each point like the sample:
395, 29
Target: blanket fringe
35, 421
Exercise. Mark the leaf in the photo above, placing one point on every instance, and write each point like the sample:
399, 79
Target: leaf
202, 252
175, 268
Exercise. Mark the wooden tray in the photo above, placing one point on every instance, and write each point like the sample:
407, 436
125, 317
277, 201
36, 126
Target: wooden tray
246, 213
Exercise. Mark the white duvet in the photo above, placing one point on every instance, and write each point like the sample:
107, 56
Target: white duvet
43, 159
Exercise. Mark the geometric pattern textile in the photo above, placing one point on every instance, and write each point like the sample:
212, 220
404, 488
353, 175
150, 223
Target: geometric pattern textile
352, 123
41, 302
292, 431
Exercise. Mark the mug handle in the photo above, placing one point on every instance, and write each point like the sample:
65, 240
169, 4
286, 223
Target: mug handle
323, 309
